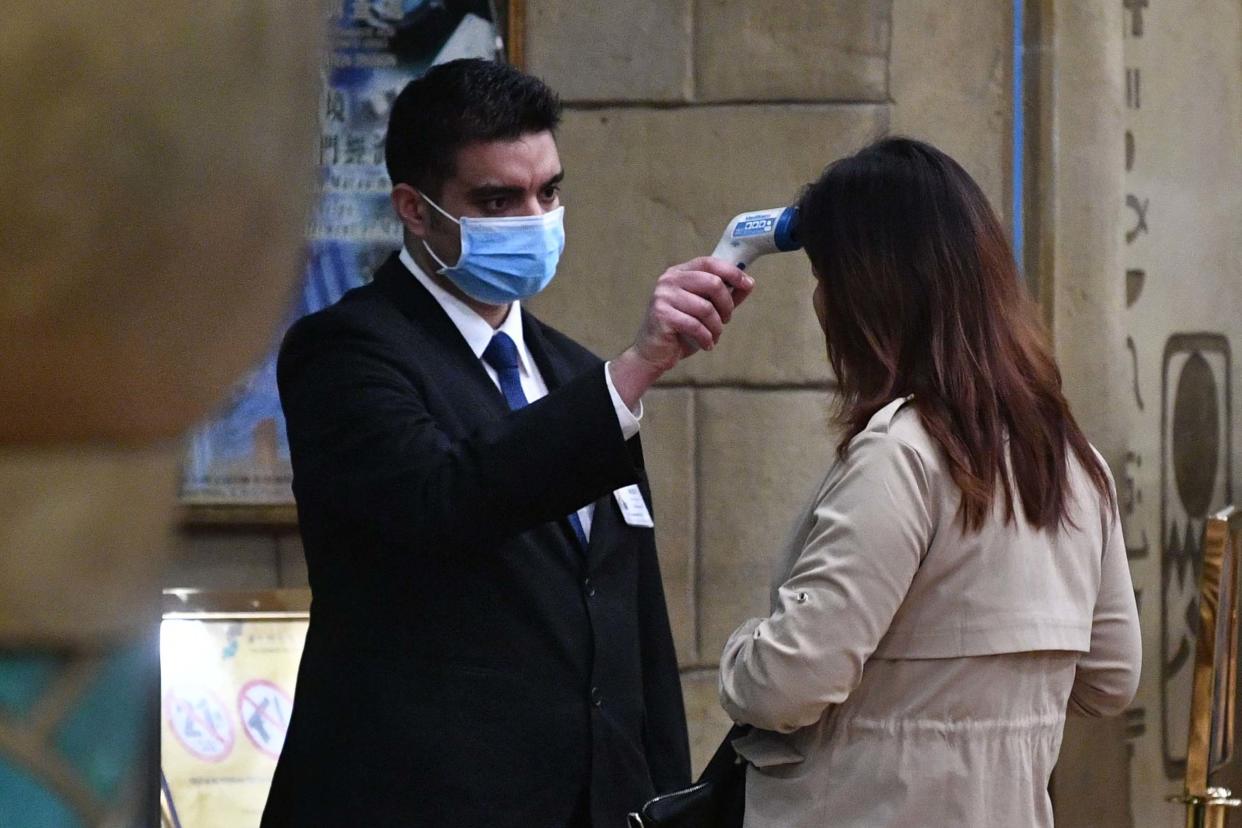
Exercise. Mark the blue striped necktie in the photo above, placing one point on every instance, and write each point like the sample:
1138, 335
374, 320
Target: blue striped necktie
502, 355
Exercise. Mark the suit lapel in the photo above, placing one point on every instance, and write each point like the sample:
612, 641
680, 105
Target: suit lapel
606, 524
552, 364
607, 530
459, 362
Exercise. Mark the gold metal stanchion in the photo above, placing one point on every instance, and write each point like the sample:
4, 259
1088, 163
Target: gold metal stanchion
1210, 743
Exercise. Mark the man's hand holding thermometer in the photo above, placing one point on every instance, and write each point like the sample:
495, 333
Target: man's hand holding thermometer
692, 302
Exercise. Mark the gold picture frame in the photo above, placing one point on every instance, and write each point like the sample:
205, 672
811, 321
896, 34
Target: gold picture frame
515, 32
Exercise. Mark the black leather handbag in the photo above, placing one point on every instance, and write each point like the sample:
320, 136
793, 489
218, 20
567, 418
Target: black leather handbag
717, 800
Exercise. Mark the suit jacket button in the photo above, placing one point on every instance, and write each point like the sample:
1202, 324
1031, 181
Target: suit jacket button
597, 698
586, 585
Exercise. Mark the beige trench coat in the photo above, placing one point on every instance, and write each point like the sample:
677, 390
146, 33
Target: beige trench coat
911, 674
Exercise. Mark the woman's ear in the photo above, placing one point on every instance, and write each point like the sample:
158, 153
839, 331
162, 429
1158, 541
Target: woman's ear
820, 304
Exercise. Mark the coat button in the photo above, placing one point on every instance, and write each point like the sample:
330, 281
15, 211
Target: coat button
587, 588
597, 698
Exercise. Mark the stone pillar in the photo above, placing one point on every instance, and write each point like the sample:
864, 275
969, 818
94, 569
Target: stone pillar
1079, 224
1077, 227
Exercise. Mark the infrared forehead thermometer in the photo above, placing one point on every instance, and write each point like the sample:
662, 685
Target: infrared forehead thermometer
757, 233
751, 235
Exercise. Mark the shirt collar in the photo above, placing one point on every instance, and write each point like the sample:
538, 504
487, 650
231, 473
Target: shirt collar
474, 329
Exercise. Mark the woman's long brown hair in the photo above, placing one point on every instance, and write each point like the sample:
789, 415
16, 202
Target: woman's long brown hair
922, 296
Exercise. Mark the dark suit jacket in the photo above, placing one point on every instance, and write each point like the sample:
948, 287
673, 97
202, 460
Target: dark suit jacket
467, 663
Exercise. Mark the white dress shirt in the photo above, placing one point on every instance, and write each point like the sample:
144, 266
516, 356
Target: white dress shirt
478, 334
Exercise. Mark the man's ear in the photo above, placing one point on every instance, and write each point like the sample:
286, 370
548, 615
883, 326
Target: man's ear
412, 209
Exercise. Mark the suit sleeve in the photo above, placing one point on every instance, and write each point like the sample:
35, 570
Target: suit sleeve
870, 530
1107, 676
665, 737
367, 449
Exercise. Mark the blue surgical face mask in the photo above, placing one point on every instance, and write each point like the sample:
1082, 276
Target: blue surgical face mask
504, 259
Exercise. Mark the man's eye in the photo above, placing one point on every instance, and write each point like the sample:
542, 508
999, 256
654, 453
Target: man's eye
551, 193
495, 205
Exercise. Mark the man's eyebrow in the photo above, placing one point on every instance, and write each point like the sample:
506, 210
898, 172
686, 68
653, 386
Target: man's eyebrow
485, 192
489, 191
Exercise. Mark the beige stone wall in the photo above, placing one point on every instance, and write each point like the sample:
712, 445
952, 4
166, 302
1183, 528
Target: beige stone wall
950, 72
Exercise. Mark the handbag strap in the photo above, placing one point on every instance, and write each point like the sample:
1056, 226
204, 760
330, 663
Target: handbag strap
725, 756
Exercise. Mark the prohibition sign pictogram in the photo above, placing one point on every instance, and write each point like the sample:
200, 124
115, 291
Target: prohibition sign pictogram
200, 722
264, 709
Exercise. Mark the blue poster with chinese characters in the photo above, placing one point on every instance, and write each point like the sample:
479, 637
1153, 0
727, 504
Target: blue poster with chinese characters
241, 456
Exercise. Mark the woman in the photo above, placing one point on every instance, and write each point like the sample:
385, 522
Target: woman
959, 579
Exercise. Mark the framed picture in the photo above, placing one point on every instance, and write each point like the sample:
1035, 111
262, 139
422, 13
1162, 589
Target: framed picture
236, 469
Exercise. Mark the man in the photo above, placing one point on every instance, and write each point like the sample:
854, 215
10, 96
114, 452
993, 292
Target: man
489, 644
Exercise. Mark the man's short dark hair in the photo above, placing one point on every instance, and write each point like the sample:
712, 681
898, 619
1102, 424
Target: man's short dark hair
456, 104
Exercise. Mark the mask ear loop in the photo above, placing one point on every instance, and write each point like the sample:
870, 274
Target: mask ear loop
432, 254
439, 209
427, 247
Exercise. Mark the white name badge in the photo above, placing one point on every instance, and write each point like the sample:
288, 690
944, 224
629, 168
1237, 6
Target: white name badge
633, 507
